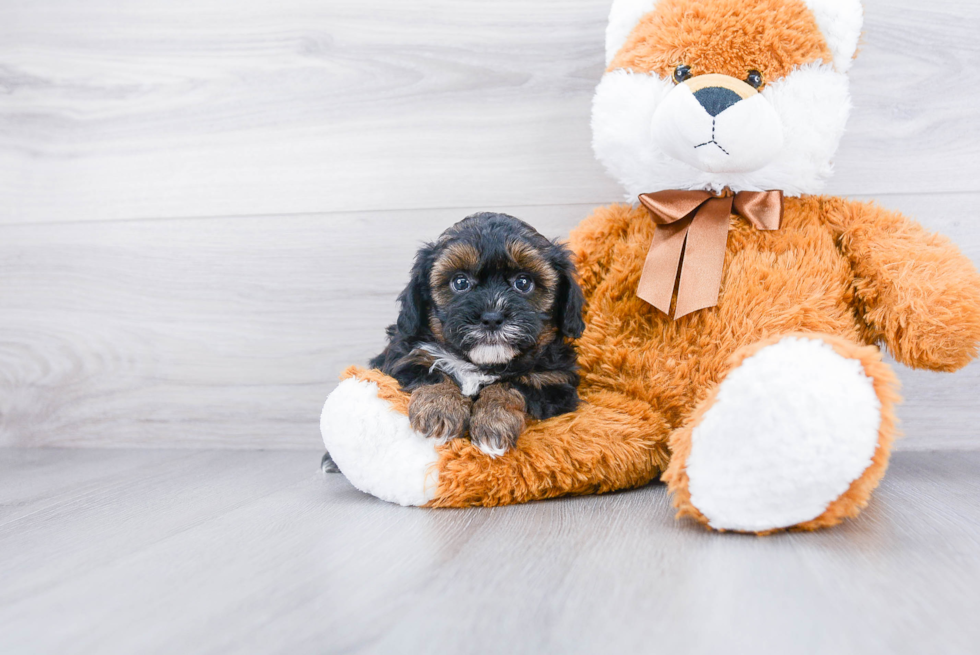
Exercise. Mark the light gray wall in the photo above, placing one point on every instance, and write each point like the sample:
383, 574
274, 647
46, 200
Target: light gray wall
208, 206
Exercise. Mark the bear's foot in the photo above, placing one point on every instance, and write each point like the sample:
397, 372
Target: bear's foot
366, 431
797, 435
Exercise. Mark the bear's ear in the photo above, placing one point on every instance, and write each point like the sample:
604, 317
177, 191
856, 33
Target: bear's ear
840, 21
623, 17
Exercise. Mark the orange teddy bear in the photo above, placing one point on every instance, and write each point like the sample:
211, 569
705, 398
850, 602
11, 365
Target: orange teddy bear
731, 314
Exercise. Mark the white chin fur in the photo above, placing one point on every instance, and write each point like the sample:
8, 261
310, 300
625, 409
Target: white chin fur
743, 138
812, 104
491, 354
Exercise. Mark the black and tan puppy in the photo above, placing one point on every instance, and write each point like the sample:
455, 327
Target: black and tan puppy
483, 336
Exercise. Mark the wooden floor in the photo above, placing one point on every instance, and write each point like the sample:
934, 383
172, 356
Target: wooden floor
154, 551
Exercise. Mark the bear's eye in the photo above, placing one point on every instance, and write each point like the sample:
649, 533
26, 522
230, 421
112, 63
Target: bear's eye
755, 79
682, 73
523, 283
460, 283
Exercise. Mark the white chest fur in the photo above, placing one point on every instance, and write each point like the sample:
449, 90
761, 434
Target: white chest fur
469, 376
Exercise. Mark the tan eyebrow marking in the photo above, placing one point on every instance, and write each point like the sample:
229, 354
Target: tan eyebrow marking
527, 258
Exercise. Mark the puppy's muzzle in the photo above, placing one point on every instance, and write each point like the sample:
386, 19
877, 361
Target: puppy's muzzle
492, 320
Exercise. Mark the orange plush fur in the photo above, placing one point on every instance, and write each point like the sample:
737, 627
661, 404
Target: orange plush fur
645, 375
851, 274
851, 501
775, 37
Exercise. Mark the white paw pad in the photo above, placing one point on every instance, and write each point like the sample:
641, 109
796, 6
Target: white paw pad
792, 427
375, 447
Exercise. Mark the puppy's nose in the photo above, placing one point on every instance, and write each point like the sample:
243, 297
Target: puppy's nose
492, 320
716, 99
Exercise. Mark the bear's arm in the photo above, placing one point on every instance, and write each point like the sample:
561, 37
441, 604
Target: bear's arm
594, 242
915, 290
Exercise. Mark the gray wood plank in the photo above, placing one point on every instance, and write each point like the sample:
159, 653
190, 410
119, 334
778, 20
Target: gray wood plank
304, 565
160, 494
220, 333
34, 480
230, 332
223, 107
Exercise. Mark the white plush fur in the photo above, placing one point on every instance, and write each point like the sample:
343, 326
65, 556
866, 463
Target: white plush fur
375, 447
791, 428
840, 21
741, 139
812, 104
623, 17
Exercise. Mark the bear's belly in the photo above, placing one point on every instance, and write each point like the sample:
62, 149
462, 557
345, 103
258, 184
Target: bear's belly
791, 280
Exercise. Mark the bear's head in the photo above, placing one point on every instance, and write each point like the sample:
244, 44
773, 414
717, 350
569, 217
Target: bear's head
707, 94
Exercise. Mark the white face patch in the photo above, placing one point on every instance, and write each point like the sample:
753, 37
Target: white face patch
743, 138
497, 353
811, 105
469, 377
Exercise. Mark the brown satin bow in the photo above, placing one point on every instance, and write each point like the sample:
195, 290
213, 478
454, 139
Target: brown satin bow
694, 224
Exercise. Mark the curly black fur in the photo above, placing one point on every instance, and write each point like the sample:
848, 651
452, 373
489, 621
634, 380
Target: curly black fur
537, 327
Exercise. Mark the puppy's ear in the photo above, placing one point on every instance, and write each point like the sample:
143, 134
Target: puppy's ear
416, 299
569, 301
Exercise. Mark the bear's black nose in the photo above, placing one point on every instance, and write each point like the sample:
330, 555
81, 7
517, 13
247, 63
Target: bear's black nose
492, 320
716, 99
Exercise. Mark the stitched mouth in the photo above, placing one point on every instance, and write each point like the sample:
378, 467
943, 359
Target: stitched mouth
712, 142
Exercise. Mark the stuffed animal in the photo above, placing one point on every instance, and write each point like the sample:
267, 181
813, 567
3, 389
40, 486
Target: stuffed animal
732, 315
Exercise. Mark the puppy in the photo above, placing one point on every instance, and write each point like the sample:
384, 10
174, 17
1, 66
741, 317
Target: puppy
483, 335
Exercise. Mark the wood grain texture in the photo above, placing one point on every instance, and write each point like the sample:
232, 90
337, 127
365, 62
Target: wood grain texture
330, 138
185, 108
221, 552
229, 333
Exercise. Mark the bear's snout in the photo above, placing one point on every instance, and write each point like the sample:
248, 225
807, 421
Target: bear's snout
718, 124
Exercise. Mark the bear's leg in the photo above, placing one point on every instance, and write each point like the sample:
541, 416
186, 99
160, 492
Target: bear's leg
611, 442
365, 428
797, 435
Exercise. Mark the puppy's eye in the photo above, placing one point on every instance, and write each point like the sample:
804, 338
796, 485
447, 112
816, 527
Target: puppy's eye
682, 73
523, 283
755, 79
460, 283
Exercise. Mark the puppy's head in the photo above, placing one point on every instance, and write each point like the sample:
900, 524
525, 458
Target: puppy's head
492, 289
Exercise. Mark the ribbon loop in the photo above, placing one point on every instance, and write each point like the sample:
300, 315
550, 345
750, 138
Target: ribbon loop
690, 241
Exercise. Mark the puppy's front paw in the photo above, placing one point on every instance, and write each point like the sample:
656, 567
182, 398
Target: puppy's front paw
439, 411
497, 420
